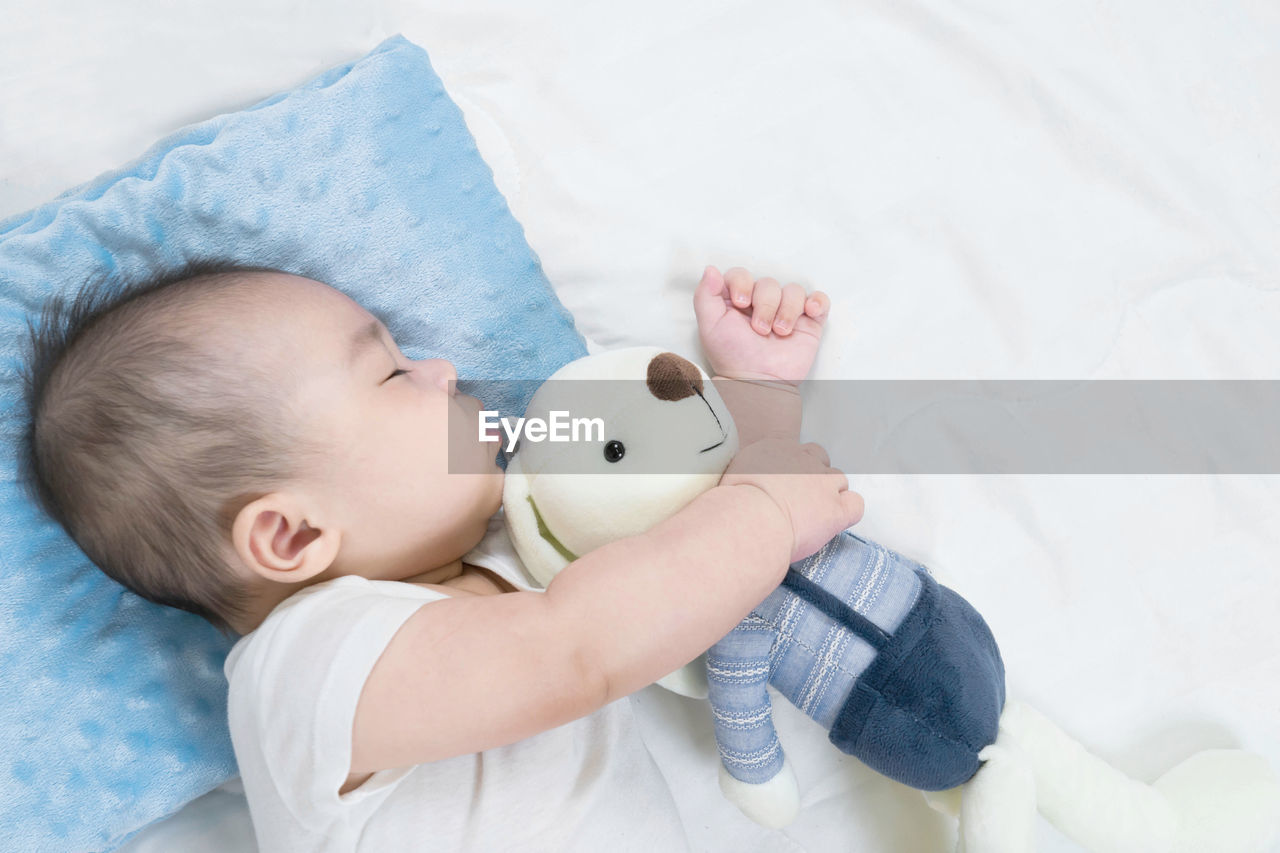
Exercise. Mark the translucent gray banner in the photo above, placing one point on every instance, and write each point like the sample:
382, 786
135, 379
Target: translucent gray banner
1107, 427
1048, 426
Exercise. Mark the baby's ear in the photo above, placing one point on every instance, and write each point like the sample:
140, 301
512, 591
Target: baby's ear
273, 540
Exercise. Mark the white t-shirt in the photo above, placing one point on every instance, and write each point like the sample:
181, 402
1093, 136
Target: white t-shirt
588, 785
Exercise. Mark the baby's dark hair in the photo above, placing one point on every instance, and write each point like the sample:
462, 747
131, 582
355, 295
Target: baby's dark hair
145, 439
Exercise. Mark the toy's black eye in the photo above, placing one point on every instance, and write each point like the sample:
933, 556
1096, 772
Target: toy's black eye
613, 451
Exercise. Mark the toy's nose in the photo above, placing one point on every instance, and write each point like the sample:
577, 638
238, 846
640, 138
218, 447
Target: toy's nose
672, 377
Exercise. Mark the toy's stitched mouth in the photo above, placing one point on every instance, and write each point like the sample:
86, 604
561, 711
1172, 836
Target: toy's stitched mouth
545, 533
724, 435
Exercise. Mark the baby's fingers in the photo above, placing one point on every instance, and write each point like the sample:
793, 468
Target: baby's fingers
708, 298
817, 306
765, 299
774, 308
853, 505
789, 309
819, 451
740, 284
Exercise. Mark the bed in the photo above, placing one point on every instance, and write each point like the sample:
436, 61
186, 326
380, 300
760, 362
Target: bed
985, 190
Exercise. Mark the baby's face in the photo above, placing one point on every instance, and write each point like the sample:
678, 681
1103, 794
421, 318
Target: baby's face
387, 420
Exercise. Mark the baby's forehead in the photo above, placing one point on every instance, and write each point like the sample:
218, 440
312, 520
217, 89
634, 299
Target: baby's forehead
267, 283
292, 296
271, 307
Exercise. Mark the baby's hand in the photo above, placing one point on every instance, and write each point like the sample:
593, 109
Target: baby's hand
813, 496
758, 330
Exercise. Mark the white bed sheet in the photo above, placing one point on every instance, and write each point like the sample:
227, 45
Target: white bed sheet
986, 190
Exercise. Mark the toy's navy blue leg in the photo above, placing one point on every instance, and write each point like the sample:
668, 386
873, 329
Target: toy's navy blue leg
931, 699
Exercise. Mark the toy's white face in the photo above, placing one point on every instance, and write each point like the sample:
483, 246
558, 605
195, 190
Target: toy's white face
660, 447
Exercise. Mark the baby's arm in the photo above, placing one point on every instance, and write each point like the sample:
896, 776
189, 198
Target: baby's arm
761, 409
463, 675
468, 674
761, 340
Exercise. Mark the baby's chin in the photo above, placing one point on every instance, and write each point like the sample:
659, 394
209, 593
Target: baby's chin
499, 477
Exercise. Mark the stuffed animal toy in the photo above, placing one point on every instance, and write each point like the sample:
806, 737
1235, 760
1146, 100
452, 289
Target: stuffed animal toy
902, 672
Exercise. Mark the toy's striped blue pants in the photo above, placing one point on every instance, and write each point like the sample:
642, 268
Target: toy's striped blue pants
902, 671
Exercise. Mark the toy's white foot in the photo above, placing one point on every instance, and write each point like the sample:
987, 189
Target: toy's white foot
1220, 800
772, 804
1226, 800
1087, 799
998, 805
947, 802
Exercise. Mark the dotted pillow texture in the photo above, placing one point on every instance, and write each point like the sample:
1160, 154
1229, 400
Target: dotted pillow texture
113, 710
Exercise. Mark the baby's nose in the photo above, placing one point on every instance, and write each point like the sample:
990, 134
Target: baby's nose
445, 373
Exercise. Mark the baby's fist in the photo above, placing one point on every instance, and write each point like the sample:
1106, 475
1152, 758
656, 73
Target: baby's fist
755, 329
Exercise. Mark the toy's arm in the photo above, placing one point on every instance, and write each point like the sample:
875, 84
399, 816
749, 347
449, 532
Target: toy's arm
754, 773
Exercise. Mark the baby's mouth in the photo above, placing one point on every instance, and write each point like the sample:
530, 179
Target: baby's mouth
492, 431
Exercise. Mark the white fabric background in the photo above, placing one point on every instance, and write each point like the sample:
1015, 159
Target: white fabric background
987, 190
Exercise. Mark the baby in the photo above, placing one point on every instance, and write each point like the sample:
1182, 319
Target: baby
251, 445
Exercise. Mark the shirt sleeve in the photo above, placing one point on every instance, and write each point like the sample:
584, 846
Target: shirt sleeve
295, 681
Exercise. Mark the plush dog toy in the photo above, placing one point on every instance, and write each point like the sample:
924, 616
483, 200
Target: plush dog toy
902, 672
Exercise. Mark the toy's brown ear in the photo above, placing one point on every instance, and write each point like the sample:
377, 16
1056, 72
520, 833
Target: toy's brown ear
672, 377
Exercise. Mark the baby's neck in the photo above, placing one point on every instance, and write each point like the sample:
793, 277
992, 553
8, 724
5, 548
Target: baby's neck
268, 599
442, 575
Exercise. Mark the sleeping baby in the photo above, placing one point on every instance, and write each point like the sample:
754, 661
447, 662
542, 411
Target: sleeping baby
252, 446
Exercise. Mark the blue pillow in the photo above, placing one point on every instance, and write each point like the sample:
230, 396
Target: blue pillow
113, 709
